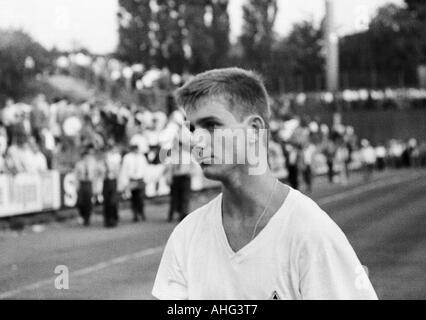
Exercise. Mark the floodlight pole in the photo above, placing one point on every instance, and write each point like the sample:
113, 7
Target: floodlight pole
332, 52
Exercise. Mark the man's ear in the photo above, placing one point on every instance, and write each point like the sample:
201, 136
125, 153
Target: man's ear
256, 122
255, 125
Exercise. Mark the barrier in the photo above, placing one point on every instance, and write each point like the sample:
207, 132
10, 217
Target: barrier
29, 193
68, 190
157, 188
32, 193
26, 193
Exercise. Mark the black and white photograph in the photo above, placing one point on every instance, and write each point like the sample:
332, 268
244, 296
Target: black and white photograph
212, 150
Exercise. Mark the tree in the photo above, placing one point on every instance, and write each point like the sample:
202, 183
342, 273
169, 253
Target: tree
219, 31
417, 8
305, 44
297, 60
257, 35
170, 35
389, 52
198, 37
135, 34
207, 25
397, 42
183, 35
21, 58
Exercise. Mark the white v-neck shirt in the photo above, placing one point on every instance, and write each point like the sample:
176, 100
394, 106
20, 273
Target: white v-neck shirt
300, 254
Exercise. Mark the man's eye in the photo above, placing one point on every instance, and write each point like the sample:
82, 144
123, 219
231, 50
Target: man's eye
210, 125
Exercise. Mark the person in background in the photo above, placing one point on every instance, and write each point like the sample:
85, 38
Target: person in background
3, 140
39, 161
415, 153
10, 117
133, 171
25, 121
421, 154
85, 171
292, 161
395, 152
407, 154
308, 154
341, 159
48, 146
98, 181
139, 139
3, 148
330, 153
368, 158
3, 165
180, 171
19, 156
112, 163
39, 117
380, 156
350, 140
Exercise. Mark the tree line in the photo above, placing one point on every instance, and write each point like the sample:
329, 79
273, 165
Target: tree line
193, 36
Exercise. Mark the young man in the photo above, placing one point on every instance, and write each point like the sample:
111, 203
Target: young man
259, 239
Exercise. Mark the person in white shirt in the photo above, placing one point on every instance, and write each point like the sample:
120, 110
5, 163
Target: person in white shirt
381, 156
20, 157
3, 140
341, 160
308, 159
39, 161
132, 173
9, 113
180, 168
140, 140
368, 158
111, 171
3, 149
85, 172
259, 239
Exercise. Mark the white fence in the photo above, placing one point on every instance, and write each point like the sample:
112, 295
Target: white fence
28, 193
48, 191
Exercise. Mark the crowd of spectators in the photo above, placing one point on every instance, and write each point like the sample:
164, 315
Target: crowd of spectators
42, 136
302, 148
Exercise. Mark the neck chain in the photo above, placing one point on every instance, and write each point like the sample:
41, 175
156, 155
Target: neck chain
264, 211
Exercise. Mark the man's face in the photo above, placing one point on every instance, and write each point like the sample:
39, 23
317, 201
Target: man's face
219, 138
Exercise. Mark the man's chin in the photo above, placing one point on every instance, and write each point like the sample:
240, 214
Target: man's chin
210, 172
214, 172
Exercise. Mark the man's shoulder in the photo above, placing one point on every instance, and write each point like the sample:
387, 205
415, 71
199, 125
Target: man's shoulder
309, 222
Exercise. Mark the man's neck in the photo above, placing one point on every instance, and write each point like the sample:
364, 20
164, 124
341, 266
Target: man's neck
244, 194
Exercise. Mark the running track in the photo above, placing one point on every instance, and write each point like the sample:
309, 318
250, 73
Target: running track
384, 219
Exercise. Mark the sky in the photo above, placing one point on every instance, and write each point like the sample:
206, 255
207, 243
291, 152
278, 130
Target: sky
93, 24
